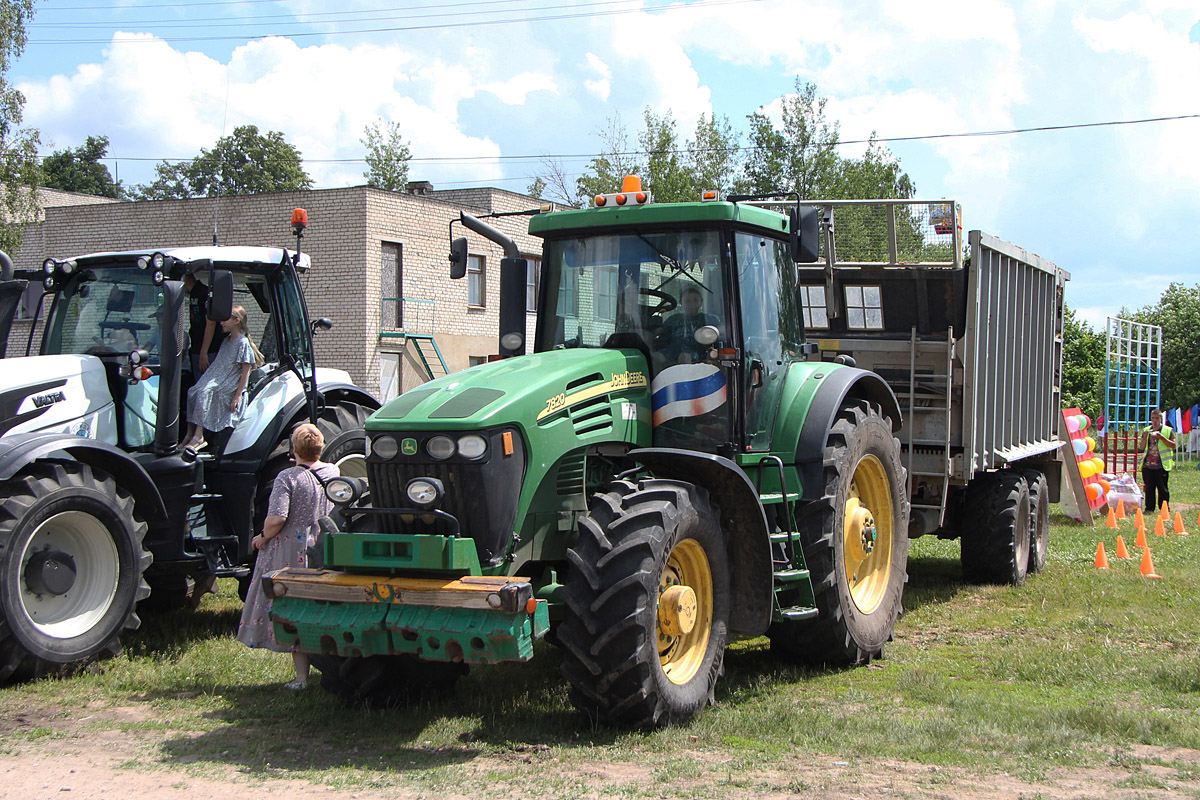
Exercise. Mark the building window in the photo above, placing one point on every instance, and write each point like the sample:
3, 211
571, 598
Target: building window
864, 311
531, 283
812, 301
391, 285
476, 291
568, 293
606, 292
475, 361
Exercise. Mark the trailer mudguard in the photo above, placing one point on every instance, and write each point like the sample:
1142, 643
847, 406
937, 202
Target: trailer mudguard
839, 383
18, 450
743, 520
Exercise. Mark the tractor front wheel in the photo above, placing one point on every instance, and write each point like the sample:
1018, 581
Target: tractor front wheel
647, 600
71, 568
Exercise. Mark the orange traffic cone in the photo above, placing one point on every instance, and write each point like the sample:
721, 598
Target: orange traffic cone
1140, 541
1112, 518
1101, 558
1139, 521
1120, 509
1159, 528
1179, 524
1164, 512
1148, 565
1122, 552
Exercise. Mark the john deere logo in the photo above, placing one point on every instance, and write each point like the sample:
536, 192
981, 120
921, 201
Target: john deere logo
408, 447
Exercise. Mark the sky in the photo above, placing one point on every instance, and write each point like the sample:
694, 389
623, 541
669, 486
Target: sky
485, 90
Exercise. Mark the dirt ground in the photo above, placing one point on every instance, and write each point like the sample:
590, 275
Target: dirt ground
85, 757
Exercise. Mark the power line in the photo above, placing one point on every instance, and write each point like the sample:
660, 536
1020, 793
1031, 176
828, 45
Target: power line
311, 18
402, 28
452, 160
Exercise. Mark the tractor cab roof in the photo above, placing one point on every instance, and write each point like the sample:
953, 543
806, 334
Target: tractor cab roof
235, 258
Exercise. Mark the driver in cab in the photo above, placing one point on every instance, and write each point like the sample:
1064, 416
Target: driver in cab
676, 340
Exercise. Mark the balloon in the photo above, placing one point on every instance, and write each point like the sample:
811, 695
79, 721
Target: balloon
1093, 491
1099, 462
1072, 424
1084, 421
1091, 444
1104, 486
1087, 469
1080, 446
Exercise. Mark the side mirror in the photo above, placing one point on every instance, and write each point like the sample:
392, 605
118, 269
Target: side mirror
324, 323
220, 298
458, 258
804, 227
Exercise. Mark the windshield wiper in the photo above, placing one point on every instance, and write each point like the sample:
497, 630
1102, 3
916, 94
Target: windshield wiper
673, 264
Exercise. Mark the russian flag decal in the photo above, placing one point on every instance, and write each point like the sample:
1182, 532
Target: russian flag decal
687, 390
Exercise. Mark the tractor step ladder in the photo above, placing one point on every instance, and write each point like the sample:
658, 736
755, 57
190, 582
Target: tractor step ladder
792, 581
940, 404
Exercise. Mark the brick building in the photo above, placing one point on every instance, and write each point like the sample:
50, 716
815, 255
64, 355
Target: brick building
379, 265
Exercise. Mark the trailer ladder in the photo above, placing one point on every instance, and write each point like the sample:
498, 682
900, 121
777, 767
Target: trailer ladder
933, 395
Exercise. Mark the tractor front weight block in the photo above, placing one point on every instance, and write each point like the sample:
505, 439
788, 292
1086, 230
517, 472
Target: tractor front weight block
474, 619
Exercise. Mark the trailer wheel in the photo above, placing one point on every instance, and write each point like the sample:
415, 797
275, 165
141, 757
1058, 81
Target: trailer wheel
646, 604
71, 568
1039, 519
855, 545
386, 681
995, 538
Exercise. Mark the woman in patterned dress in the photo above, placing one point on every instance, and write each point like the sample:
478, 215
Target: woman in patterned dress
297, 502
212, 401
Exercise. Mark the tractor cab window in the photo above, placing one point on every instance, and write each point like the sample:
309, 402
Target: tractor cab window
106, 312
771, 329
649, 291
661, 293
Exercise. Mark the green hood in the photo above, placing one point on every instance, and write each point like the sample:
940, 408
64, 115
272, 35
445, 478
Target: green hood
529, 391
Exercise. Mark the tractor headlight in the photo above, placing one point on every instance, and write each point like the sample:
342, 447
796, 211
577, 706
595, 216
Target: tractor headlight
424, 492
472, 446
440, 447
386, 447
343, 490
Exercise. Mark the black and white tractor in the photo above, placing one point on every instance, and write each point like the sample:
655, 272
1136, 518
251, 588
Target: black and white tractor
101, 508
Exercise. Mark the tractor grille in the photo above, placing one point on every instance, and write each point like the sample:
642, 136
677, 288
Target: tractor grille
481, 495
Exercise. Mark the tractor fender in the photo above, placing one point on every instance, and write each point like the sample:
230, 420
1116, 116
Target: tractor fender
275, 432
18, 450
841, 383
742, 519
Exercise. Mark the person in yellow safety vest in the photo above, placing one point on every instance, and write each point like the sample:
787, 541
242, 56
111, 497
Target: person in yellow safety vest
1158, 457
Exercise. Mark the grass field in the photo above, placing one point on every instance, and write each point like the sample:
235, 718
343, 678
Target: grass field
1077, 668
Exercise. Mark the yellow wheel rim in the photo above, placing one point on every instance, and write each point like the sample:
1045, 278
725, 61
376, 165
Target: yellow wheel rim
685, 611
867, 534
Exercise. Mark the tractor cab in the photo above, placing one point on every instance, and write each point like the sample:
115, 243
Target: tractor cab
705, 291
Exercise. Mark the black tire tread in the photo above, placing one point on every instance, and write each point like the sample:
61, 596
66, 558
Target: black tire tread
608, 658
17, 496
830, 638
989, 547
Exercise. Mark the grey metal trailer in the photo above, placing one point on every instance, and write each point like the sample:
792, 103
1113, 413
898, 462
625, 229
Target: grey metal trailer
972, 347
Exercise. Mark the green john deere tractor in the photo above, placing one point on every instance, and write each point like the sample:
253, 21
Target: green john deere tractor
669, 467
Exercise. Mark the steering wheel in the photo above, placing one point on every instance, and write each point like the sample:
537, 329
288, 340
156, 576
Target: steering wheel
665, 301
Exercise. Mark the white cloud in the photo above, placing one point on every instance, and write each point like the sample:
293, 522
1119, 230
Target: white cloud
601, 87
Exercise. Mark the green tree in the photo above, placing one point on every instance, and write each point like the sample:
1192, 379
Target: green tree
667, 175
714, 155
800, 155
1082, 365
387, 156
554, 184
615, 161
20, 170
245, 162
79, 170
1178, 313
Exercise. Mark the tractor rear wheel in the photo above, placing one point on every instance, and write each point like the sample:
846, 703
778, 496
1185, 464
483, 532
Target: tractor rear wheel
855, 545
995, 540
71, 568
646, 604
